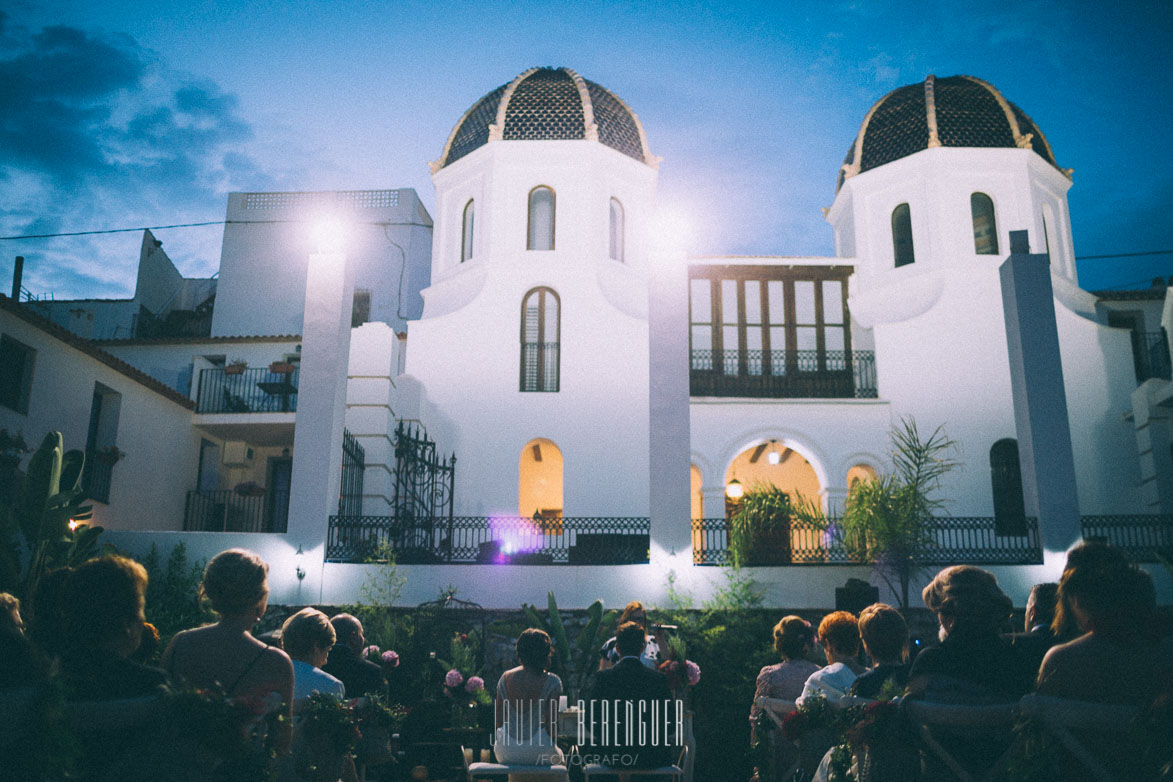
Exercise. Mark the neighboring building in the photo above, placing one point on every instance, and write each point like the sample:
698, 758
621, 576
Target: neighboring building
503, 443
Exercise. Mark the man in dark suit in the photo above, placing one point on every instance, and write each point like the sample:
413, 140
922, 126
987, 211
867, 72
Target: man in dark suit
631, 717
346, 663
1040, 612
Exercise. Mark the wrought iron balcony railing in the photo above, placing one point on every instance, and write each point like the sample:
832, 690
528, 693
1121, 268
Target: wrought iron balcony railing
226, 511
1150, 355
251, 390
97, 474
826, 374
1142, 537
959, 540
481, 540
539, 366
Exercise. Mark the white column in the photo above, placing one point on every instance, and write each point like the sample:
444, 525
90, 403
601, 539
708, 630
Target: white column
1040, 400
321, 411
669, 477
713, 502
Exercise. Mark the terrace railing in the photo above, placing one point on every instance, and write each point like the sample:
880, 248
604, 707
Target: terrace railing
1142, 537
253, 390
959, 540
1150, 355
225, 511
97, 474
481, 540
825, 374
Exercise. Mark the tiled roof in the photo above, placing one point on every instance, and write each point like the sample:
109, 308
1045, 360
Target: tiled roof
63, 334
545, 104
197, 340
958, 111
1146, 294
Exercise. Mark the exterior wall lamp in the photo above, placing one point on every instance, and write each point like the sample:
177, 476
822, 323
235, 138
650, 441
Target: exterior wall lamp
300, 570
734, 490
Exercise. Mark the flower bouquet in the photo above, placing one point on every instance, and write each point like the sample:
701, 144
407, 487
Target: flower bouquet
327, 733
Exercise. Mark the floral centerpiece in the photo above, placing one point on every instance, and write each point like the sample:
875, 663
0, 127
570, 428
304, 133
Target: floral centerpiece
682, 673
462, 686
328, 733
235, 736
387, 660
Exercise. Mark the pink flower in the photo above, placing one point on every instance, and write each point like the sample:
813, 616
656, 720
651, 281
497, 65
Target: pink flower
372, 649
391, 658
692, 672
453, 679
474, 684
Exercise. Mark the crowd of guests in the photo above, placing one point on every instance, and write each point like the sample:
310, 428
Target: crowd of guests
1094, 637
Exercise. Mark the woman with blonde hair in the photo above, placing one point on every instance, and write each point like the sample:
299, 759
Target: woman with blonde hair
226, 654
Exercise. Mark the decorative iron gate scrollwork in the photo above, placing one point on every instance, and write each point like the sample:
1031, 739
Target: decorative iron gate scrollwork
422, 502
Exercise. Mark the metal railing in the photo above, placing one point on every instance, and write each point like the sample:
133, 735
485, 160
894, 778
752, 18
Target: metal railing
225, 511
539, 366
795, 374
1150, 355
1141, 537
959, 540
253, 390
482, 540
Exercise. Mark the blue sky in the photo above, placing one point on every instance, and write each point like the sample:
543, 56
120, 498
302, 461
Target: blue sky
125, 113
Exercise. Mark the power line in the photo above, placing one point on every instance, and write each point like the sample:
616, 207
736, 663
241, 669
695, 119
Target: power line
1122, 255
195, 225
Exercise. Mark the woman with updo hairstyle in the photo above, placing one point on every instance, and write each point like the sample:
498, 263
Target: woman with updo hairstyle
527, 705
793, 641
225, 655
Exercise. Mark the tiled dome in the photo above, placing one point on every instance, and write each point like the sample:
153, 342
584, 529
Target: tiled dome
959, 111
548, 104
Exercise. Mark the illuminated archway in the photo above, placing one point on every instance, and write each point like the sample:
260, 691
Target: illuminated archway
860, 472
696, 493
771, 463
539, 494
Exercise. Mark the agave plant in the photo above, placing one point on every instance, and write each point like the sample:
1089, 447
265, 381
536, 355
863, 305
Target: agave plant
577, 662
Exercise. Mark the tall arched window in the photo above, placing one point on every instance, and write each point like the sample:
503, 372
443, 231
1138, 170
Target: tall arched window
617, 229
466, 232
540, 234
539, 493
902, 235
1006, 482
985, 228
540, 337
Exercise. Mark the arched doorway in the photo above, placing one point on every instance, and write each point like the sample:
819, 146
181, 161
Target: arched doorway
771, 463
696, 493
539, 494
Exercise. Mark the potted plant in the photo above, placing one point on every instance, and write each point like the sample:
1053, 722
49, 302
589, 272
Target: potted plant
759, 528
281, 368
236, 367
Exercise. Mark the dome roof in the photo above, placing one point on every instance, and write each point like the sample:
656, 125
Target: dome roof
958, 111
544, 104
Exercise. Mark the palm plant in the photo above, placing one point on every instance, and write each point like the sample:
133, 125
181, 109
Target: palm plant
888, 521
759, 528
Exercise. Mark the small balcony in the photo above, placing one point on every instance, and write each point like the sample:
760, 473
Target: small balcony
232, 511
784, 374
247, 390
496, 540
1150, 355
97, 474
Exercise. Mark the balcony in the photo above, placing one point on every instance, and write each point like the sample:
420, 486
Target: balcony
481, 540
1144, 538
230, 511
246, 390
97, 474
966, 540
784, 374
1150, 355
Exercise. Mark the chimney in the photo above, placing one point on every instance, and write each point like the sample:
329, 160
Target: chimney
17, 273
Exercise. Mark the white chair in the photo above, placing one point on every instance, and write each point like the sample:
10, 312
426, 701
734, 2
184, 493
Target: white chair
970, 721
482, 770
1060, 716
674, 772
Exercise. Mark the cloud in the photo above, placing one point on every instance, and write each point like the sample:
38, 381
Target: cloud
97, 132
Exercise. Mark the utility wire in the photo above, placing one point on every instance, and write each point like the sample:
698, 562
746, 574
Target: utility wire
1122, 255
195, 225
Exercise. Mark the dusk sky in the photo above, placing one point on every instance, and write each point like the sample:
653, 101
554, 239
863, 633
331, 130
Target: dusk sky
119, 114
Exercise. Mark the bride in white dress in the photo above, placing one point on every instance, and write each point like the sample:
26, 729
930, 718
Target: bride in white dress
527, 706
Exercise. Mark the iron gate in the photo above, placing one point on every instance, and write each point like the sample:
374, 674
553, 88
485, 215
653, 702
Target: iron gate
422, 502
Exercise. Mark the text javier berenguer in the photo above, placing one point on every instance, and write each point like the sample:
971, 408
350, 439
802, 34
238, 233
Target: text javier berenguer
626, 723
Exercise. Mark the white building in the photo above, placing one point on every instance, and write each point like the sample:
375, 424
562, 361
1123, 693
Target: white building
525, 334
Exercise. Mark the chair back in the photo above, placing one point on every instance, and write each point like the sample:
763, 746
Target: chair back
993, 723
1069, 720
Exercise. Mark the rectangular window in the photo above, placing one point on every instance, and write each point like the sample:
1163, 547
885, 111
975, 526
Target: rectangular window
360, 310
16, 374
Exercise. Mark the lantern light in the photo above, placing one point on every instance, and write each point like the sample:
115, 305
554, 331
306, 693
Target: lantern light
734, 490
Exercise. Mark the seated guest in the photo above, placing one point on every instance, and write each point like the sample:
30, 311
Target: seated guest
1040, 614
307, 637
839, 635
793, 639
359, 676
103, 603
526, 709
21, 666
1114, 603
650, 656
630, 687
225, 654
971, 609
884, 634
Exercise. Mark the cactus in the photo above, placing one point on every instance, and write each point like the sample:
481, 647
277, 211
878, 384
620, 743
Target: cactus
49, 497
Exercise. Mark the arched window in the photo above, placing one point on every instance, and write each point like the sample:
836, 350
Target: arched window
617, 229
902, 235
539, 494
540, 234
466, 232
985, 228
540, 337
860, 473
1006, 481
